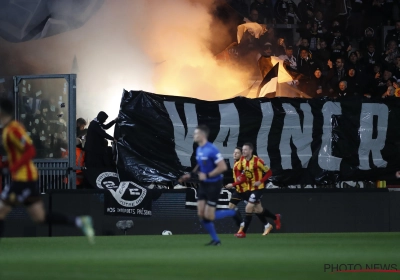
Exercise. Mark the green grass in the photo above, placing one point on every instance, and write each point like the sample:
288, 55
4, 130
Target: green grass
277, 256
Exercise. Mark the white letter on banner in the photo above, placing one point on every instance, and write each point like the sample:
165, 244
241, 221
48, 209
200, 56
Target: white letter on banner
325, 159
262, 137
301, 139
367, 144
229, 124
183, 144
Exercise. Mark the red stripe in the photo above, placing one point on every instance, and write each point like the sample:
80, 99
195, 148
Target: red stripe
11, 151
29, 171
256, 171
248, 169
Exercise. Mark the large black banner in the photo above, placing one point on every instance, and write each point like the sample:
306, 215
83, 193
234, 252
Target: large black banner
304, 141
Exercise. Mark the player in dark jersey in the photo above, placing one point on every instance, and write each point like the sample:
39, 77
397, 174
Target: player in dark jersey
209, 169
24, 175
256, 173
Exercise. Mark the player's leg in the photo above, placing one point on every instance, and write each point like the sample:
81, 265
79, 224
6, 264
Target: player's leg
28, 194
233, 205
201, 205
213, 191
264, 212
39, 216
4, 210
250, 209
259, 212
208, 223
6, 203
201, 212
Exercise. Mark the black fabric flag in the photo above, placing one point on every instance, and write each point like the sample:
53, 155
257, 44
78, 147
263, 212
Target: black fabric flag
268, 84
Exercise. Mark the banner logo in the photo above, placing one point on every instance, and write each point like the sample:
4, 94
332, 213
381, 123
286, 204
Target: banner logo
127, 194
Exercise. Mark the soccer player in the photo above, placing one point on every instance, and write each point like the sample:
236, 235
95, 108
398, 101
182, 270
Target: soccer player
253, 168
209, 169
24, 175
241, 192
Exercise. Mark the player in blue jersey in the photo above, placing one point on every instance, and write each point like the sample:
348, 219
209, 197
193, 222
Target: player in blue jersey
209, 169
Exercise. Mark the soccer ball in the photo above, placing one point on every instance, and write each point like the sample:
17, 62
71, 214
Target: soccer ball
166, 232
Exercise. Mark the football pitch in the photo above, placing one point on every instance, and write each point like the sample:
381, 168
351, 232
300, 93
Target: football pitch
277, 256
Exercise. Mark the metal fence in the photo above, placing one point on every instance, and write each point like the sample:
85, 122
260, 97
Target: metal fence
46, 106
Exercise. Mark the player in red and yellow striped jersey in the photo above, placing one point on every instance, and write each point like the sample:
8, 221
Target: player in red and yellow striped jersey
241, 192
20, 152
24, 175
255, 174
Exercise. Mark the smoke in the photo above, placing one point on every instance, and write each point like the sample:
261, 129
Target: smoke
151, 45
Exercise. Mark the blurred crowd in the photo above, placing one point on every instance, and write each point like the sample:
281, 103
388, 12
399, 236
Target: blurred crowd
331, 48
43, 111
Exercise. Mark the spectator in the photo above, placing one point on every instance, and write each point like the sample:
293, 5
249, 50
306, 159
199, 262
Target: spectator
305, 64
396, 69
80, 128
314, 37
305, 9
305, 67
381, 83
339, 44
396, 89
280, 47
286, 12
80, 163
336, 74
390, 54
368, 39
317, 86
390, 91
303, 44
371, 58
289, 60
322, 56
324, 7
321, 25
265, 10
343, 90
357, 66
94, 147
254, 16
354, 84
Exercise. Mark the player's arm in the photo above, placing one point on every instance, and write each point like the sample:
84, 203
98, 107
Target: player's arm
219, 169
187, 176
266, 170
240, 180
22, 142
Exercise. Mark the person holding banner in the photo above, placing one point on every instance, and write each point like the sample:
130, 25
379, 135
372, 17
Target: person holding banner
253, 168
209, 169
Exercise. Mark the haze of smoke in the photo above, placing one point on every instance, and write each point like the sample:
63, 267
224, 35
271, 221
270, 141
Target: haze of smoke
151, 45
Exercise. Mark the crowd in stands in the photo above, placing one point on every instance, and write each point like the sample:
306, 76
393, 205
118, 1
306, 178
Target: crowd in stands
43, 111
340, 48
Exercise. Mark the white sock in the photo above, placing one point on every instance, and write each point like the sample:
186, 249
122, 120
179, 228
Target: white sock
242, 224
267, 225
78, 222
